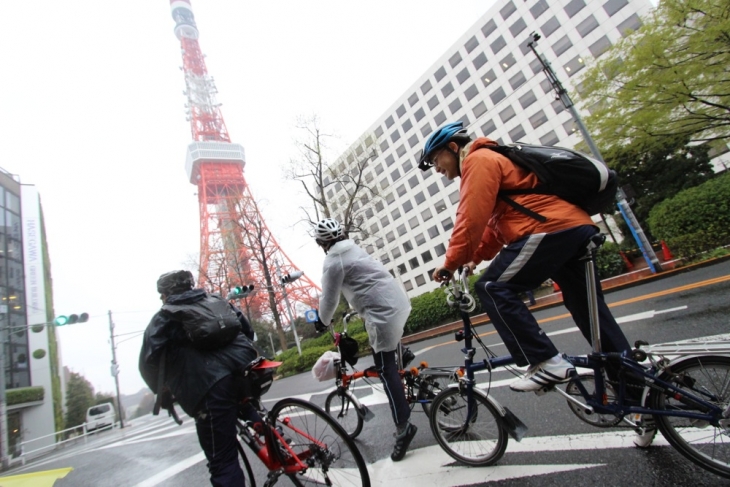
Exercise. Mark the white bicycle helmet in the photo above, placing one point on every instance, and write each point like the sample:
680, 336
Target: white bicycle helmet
327, 230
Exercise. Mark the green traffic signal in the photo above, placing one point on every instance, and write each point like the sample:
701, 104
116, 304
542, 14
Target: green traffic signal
71, 319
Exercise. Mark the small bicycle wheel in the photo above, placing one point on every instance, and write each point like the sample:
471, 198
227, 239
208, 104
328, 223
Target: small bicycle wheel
340, 406
706, 445
246, 466
320, 443
477, 441
428, 388
591, 417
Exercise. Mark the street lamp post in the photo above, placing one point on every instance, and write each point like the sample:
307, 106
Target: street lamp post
562, 94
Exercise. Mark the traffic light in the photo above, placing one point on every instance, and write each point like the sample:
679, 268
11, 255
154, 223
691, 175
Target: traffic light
239, 292
71, 319
287, 278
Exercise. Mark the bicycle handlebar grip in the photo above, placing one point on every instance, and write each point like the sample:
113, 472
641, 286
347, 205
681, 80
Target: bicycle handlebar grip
445, 274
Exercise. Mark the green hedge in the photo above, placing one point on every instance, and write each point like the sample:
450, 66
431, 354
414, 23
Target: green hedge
609, 261
22, 395
694, 220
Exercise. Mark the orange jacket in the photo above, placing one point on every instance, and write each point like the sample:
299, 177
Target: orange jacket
485, 223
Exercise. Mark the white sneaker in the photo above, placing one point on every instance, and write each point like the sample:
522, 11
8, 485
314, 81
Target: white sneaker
543, 375
645, 437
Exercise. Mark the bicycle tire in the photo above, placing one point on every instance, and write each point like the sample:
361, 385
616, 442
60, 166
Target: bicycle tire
483, 442
428, 389
247, 471
340, 406
700, 442
322, 444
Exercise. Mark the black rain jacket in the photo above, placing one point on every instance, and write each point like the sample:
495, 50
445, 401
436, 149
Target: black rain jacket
190, 373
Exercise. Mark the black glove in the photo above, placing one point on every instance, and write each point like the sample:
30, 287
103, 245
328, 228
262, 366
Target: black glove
319, 326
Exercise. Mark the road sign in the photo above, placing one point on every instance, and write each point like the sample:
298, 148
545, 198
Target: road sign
311, 315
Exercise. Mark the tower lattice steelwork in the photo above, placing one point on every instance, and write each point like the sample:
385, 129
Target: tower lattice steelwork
236, 246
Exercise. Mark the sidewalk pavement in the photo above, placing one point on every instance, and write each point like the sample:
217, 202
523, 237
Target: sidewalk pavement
640, 276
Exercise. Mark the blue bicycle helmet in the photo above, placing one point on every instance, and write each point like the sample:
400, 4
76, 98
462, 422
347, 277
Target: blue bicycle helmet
453, 131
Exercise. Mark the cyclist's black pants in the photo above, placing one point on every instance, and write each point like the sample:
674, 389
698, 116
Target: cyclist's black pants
216, 427
524, 265
387, 367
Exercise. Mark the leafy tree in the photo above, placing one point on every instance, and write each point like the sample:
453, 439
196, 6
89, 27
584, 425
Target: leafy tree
669, 79
659, 172
79, 398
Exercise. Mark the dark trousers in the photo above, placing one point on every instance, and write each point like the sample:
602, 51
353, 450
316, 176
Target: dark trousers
387, 367
523, 266
216, 427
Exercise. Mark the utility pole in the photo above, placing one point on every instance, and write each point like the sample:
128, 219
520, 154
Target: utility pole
562, 94
115, 370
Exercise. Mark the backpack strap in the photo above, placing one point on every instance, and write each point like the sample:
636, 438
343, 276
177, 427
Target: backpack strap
521, 209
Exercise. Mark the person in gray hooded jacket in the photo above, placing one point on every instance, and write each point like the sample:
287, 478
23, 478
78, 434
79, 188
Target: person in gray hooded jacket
383, 305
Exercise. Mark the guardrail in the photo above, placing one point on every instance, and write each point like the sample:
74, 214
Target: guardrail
62, 443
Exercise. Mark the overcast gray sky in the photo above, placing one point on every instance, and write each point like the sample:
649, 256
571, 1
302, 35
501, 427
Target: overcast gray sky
92, 114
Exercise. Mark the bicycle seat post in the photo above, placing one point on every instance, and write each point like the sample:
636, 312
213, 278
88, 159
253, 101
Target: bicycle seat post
591, 250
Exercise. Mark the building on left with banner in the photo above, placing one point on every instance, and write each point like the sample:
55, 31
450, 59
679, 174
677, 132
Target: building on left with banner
30, 353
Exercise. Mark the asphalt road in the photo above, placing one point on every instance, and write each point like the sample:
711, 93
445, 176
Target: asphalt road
558, 450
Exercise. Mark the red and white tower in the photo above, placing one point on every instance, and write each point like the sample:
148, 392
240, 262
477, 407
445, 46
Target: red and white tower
236, 247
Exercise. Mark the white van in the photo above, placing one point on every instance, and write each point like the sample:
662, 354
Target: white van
100, 416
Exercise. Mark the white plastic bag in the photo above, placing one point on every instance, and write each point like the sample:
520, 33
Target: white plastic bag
324, 368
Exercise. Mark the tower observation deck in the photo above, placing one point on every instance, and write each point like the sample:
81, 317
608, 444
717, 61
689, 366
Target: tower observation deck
236, 246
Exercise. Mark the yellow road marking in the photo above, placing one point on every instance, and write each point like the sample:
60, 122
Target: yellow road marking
36, 479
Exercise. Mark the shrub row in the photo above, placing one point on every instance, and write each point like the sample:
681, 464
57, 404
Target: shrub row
24, 394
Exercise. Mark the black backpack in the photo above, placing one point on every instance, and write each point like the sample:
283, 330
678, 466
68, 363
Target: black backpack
209, 323
570, 175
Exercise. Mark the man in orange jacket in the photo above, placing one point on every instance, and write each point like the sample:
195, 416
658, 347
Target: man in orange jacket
525, 252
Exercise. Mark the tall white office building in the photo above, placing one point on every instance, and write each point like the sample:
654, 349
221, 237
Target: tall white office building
491, 80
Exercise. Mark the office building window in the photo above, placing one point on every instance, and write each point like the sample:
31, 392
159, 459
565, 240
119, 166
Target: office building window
412, 141
600, 46
433, 189
507, 62
538, 119
384, 145
439, 205
395, 175
395, 214
407, 206
535, 66
419, 197
539, 8
369, 213
497, 95
395, 135
562, 45
471, 44
413, 181
527, 99
517, 80
400, 150
480, 60
378, 132
507, 10
471, 92
549, 138
396, 252
426, 256
400, 111
479, 109
407, 125
516, 133
550, 26
439, 118
557, 106
498, 44
389, 122
613, 6
570, 127
448, 224
413, 222
407, 246
420, 239
454, 197
433, 232
426, 129
574, 65
463, 75
401, 190
440, 73
488, 77
455, 60
517, 27
489, 27
629, 25
447, 89
426, 214
384, 221
413, 99
414, 263
401, 229
545, 85
426, 87
440, 250
587, 26
507, 114
573, 7
370, 249
454, 107
379, 243
488, 128
408, 286
420, 281
379, 206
